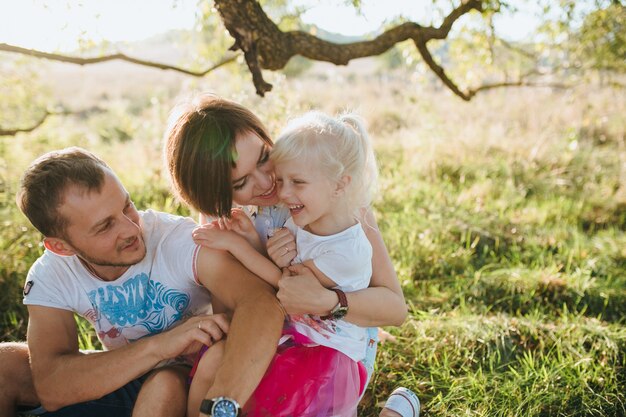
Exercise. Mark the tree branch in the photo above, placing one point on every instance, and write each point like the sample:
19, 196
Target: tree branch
95, 60
517, 49
520, 83
48, 113
266, 46
439, 71
13, 132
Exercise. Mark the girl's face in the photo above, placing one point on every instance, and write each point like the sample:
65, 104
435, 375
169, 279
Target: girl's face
253, 175
312, 198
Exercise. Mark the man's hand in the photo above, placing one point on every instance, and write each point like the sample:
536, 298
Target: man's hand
189, 336
281, 248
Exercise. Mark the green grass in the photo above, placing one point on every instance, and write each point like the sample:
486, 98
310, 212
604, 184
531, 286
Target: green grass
505, 219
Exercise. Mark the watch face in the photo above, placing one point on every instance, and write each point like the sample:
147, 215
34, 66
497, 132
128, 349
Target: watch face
224, 408
341, 312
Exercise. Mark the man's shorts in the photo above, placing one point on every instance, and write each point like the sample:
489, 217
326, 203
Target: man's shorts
119, 403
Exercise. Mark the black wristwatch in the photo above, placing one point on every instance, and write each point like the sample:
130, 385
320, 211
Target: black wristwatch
341, 309
220, 407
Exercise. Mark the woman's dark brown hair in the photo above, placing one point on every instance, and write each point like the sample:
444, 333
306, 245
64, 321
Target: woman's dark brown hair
200, 150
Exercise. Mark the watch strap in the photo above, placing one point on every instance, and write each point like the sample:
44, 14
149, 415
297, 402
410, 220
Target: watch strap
342, 306
206, 406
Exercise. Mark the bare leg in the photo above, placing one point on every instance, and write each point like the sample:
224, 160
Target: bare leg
164, 393
204, 377
16, 382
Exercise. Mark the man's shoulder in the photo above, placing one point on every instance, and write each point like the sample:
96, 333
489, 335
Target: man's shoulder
169, 242
154, 217
50, 263
157, 224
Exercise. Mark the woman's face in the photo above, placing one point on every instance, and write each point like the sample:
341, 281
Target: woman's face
253, 175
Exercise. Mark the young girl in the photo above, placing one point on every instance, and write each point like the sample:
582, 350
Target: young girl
325, 173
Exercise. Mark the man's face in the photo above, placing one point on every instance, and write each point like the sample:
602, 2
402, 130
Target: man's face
104, 228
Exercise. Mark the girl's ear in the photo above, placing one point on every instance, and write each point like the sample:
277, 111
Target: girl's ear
58, 246
342, 184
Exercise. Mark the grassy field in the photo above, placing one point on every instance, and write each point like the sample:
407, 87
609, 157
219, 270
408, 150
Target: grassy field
505, 218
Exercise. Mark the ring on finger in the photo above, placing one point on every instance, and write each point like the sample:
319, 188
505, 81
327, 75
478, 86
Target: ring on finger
286, 250
200, 325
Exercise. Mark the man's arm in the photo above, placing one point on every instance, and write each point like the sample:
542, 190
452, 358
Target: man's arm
64, 376
254, 329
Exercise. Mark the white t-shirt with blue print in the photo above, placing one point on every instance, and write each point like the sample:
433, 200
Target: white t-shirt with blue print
150, 297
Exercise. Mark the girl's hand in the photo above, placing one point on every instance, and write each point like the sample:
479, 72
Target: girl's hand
240, 223
281, 248
301, 293
212, 236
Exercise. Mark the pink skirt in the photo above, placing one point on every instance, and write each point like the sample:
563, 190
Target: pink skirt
308, 381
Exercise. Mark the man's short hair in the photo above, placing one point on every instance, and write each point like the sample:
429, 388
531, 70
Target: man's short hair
46, 180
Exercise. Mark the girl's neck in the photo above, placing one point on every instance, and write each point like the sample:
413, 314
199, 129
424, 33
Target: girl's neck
332, 224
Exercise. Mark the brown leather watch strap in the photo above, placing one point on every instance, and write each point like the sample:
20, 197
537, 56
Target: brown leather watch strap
343, 300
340, 309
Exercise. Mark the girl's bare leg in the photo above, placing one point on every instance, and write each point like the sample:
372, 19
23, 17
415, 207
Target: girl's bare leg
203, 379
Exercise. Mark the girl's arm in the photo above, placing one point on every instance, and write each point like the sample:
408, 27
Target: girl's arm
240, 223
257, 263
211, 236
381, 304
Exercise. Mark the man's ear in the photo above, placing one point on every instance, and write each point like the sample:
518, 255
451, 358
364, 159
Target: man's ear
342, 184
58, 246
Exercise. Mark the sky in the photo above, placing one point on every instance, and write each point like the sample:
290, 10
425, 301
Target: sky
55, 25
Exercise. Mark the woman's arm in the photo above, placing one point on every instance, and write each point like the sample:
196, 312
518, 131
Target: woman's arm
381, 304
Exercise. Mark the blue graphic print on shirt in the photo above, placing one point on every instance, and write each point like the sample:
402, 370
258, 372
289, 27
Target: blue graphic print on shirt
140, 301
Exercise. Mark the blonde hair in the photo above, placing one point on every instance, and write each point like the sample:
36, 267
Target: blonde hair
339, 146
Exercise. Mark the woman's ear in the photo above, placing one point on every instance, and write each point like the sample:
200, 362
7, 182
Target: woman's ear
342, 184
58, 246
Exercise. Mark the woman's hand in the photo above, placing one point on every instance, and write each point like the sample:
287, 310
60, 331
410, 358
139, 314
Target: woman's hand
301, 293
281, 248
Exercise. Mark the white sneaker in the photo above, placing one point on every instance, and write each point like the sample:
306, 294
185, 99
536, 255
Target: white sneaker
404, 402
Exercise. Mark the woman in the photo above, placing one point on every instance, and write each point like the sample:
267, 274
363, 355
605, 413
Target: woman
217, 153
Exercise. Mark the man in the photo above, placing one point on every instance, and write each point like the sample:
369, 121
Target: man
131, 275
